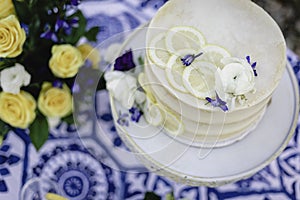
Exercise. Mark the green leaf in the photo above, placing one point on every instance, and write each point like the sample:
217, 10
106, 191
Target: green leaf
91, 34
151, 196
77, 33
39, 131
141, 61
22, 11
68, 119
4, 128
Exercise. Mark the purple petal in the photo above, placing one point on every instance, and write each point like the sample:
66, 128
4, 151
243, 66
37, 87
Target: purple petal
57, 84
208, 99
248, 59
49, 36
219, 100
224, 107
75, 2
124, 62
136, 114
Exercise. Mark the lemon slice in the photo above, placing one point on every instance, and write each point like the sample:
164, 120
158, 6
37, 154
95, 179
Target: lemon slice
175, 68
173, 124
184, 37
154, 113
157, 52
214, 54
199, 79
146, 87
52, 196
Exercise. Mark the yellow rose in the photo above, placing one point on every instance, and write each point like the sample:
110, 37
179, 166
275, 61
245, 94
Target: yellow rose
65, 61
6, 8
90, 53
18, 110
12, 37
55, 102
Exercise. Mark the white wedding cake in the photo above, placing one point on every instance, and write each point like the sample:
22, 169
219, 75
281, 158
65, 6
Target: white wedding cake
211, 68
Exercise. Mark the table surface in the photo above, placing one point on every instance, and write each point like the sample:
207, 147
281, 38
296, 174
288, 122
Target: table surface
89, 167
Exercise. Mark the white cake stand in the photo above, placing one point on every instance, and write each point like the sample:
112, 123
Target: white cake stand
193, 165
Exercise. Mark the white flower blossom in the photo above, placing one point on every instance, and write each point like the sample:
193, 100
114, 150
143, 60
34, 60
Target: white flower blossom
122, 86
13, 78
237, 77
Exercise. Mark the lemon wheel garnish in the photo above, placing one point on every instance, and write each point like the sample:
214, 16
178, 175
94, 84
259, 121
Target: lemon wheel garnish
199, 79
184, 37
52, 196
214, 54
146, 87
174, 71
172, 124
154, 113
157, 51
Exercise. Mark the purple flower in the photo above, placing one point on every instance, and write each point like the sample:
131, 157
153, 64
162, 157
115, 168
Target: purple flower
61, 24
75, 2
218, 102
26, 28
74, 22
57, 84
189, 58
136, 114
48, 34
253, 65
124, 62
122, 120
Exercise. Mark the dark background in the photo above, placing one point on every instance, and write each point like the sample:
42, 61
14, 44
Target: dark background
287, 15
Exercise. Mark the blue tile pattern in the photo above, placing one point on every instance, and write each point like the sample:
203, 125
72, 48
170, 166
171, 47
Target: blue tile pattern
97, 165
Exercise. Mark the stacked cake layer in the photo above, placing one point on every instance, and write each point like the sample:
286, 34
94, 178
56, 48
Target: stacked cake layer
213, 65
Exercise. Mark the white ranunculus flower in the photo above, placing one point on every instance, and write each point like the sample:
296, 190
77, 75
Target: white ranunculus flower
13, 78
236, 77
122, 86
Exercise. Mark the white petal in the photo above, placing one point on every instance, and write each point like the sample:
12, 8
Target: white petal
53, 122
112, 75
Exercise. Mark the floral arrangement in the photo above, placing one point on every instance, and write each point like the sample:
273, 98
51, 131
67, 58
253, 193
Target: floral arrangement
42, 48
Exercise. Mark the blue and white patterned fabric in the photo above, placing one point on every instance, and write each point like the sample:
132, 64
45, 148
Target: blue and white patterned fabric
95, 166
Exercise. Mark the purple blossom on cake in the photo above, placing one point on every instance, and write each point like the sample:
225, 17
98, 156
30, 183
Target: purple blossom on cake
122, 120
136, 114
253, 65
188, 59
218, 102
124, 62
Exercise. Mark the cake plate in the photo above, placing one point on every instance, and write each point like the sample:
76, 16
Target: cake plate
212, 167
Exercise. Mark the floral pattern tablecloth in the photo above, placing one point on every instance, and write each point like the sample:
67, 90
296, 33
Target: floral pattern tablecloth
88, 167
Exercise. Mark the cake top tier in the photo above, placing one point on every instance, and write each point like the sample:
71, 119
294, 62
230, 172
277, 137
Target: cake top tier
239, 29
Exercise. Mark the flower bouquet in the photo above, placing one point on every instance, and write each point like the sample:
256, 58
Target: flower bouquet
42, 48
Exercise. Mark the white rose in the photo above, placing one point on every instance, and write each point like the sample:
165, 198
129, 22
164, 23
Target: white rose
237, 76
122, 86
13, 78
